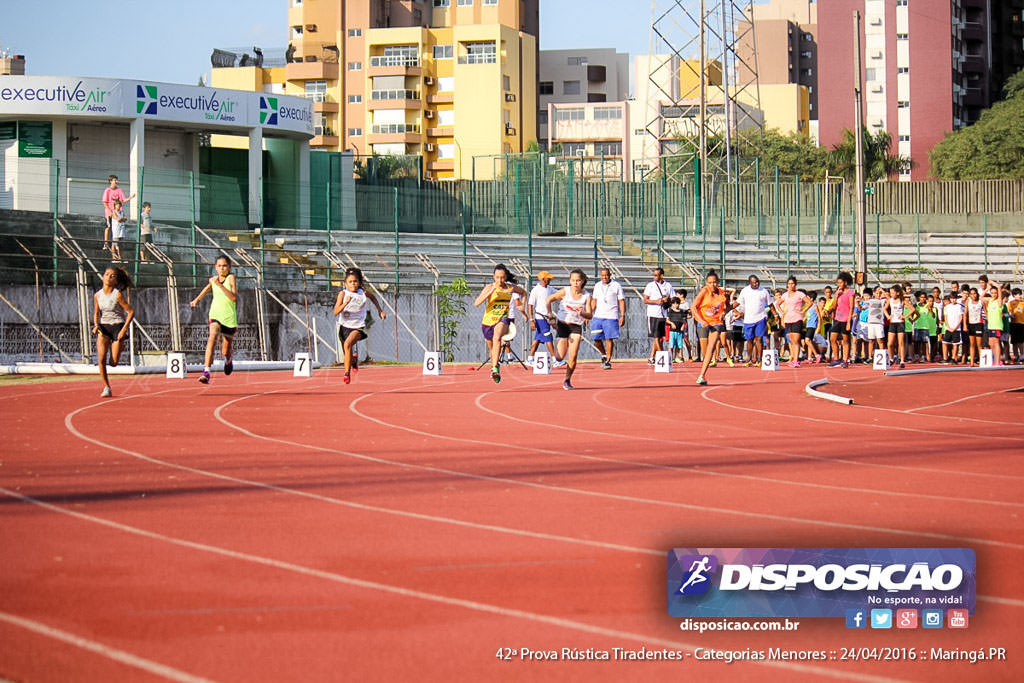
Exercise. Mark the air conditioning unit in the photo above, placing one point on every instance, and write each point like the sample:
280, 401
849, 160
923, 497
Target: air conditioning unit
431, 147
311, 28
510, 97
429, 80
428, 114
318, 130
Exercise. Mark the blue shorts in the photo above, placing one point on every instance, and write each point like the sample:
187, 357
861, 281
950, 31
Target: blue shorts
676, 340
604, 328
755, 330
543, 331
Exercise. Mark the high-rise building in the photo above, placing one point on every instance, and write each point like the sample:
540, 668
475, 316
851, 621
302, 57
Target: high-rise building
785, 49
383, 75
915, 84
577, 77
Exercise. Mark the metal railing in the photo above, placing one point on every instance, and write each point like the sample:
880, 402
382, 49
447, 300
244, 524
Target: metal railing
395, 128
394, 60
395, 95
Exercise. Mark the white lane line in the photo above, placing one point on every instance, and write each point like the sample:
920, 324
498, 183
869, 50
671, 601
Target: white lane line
731, 475
111, 653
68, 421
338, 501
446, 600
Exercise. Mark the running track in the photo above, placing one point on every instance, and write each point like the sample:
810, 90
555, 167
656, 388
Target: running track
266, 528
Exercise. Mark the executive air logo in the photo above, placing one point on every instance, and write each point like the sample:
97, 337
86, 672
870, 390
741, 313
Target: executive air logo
268, 111
817, 582
146, 99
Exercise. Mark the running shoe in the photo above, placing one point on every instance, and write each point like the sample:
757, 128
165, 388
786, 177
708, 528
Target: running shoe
730, 362
355, 364
347, 379
713, 363
650, 361
844, 365
106, 393
529, 360
835, 364
701, 381
229, 366
902, 364
558, 364
567, 386
794, 363
606, 365
205, 377
496, 374
817, 359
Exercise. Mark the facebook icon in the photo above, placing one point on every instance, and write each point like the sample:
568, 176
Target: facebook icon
856, 618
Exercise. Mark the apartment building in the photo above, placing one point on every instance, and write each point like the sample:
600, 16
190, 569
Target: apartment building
785, 50
579, 76
383, 75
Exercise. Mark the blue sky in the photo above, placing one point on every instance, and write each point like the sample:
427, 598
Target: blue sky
171, 40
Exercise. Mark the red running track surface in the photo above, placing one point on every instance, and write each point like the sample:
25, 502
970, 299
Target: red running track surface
268, 528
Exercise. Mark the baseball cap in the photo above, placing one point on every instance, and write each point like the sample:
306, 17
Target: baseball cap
545, 275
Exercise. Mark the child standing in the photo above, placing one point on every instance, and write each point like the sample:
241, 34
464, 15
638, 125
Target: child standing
677, 325
896, 314
350, 310
875, 324
952, 318
146, 229
117, 230
111, 318
223, 318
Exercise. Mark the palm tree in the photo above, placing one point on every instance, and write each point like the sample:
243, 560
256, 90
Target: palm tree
879, 162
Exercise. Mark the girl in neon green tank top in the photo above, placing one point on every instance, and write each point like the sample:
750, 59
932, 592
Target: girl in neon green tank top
993, 300
223, 317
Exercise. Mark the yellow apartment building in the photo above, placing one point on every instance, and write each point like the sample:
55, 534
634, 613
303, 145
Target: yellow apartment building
393, 77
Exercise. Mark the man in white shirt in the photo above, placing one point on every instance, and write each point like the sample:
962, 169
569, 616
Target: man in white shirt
657, 294
540, 315
754, 300
608, 306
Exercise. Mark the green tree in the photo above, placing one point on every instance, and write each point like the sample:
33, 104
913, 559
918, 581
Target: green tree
992, 147
386, 167
879, 161
451, 309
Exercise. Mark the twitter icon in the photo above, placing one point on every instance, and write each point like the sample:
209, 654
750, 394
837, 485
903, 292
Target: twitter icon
881, 618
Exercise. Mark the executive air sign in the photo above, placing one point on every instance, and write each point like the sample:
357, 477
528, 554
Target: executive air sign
125, 99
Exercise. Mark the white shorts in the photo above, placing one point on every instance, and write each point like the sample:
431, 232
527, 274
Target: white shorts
876, 331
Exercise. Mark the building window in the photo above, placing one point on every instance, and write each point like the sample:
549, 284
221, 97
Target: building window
572, 149
542, 117
807, 72
316, 90
573, 114
577, 61
570, 87
355, 132
355, 32
443, 52
902, 36
607, 113
901, 3
808, 38
608, 149
484, 52
639, 131
506, 83
490, 2
903, 104
870, 74
546, 88
463, 3
806, 54
903, 70
442, 3
355, 99
904, 138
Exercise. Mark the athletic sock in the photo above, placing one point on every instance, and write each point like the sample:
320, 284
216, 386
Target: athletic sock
206, 368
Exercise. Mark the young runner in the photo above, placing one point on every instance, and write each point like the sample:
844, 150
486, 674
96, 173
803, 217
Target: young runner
709, 309
540, 315
498, 297
994, 328
350, 310
577, 308
223, 315
974, 313
840, 334
795, 305
111, 318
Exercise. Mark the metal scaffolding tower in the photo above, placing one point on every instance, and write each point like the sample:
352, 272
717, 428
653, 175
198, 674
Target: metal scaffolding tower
702, 90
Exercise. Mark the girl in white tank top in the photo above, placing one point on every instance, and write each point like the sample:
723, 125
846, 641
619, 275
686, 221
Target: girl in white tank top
350, 312
576, 309
112, 316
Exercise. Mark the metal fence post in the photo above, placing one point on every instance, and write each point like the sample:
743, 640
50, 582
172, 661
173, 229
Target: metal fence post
757, 200
796, 189
138, 223
571, 195
778, 213
721, 240
878, 242
56, 208
984, 228
917, 232
817, 213
529, 239
462, 225
395, 201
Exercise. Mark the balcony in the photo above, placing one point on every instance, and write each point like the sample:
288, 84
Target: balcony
394, 65
441, 165
395, 99
395, 132
441, 98
441, 132
597, 73
311, 61
322, 104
